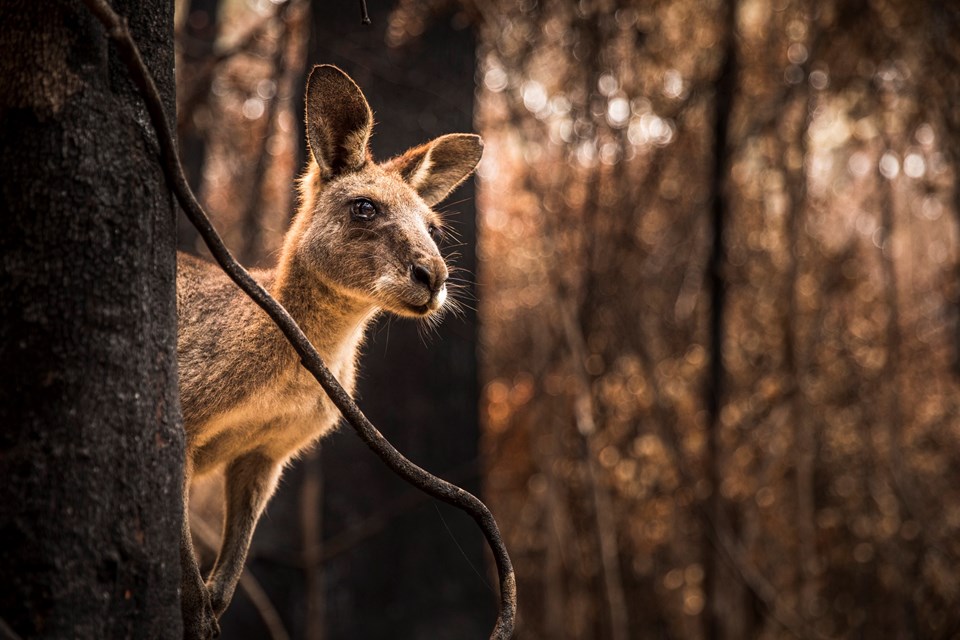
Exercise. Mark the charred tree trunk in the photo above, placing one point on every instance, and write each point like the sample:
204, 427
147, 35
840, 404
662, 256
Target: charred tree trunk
713, 620
90, 448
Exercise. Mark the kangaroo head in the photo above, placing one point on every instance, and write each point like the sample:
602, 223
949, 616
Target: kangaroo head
367, 229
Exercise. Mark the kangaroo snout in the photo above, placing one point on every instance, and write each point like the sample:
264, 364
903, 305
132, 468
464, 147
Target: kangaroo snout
430, 272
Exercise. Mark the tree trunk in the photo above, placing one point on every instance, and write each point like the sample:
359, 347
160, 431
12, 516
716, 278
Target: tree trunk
91, 446
714, 575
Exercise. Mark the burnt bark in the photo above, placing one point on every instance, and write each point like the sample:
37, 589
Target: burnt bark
91, 447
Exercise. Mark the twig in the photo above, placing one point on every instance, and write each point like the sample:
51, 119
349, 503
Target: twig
207, 537
364, 16
6, 632
440, 489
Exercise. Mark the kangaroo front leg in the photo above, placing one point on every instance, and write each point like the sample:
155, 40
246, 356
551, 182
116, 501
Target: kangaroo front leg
250, 481
199, 622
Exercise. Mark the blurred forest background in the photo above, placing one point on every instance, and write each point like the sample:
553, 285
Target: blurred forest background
709, 382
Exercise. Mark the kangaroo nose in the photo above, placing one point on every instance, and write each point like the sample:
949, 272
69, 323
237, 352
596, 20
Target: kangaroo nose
432, 276
422, 275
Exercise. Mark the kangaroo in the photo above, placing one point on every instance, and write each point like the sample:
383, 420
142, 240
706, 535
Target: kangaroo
363, 240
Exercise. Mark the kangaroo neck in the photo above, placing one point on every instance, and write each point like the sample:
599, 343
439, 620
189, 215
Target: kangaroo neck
330, 318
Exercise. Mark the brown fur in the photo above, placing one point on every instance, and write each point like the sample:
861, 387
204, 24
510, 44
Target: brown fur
248, 406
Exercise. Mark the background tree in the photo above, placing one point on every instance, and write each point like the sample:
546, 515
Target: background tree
91, 447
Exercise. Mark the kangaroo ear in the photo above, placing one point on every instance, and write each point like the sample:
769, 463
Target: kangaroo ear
435, 168
339, 121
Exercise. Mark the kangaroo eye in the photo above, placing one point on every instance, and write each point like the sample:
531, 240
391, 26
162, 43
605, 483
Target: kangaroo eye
363, 209
436, 233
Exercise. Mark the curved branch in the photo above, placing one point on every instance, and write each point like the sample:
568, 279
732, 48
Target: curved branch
6, 632
451, 494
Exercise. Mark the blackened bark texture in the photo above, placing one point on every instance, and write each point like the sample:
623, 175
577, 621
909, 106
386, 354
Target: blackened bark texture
393, 565
90, 444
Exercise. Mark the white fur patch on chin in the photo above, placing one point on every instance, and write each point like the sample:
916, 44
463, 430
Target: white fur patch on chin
441, 297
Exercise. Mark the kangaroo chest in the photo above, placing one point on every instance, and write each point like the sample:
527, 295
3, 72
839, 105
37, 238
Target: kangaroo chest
278, 420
